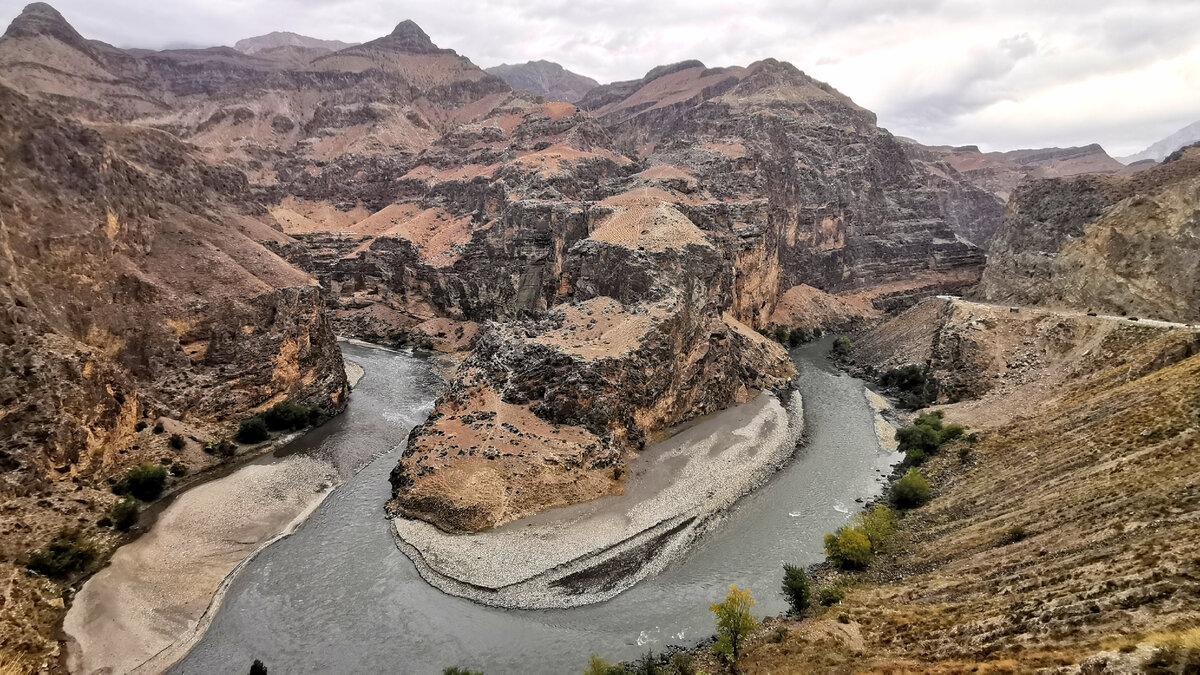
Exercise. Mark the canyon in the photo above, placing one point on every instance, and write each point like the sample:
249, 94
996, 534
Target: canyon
188, 232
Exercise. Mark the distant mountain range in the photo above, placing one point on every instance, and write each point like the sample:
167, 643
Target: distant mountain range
253, 45
546, 79
1158, 151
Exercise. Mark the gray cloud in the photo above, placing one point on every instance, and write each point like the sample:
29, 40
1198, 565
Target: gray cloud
1016, 74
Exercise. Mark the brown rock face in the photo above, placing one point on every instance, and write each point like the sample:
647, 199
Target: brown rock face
133, 290
1116, 244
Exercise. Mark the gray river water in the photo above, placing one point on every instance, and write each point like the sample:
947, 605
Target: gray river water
339, 597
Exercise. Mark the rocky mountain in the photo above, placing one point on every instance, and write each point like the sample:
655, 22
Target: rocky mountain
135, 294
1116, 244
546, 79
1159, 150
608, 265
277, 39
999, 173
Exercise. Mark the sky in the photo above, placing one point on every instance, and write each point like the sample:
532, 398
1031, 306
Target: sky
998, 74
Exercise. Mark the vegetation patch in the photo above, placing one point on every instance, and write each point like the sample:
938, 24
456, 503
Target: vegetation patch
911, 491
924, 437
145, 481
62, 558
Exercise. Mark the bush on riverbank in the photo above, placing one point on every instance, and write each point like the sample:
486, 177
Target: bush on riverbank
124, 514
842, 347
598, 665
144, 481
253, 429
911, 491
67, 555
878, 525
830, 595
291, 416
849, 548
911, 384
223, 448
926, 436
796, 588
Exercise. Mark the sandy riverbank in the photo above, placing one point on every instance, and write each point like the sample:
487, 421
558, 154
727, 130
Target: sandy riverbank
157, 589
589, 552
152, 602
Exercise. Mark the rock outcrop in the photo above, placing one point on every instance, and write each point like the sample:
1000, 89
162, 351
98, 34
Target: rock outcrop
1116, 244
546, 79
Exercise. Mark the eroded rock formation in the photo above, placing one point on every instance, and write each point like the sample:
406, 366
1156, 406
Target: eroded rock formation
1115, 244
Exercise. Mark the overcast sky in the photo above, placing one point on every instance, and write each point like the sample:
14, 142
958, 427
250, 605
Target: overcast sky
1000, 74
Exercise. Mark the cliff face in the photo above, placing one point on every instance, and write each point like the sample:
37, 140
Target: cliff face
134, 290
133, 293
1115, 244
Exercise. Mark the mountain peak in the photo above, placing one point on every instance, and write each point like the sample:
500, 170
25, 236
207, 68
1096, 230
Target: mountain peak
409, 37
41, 19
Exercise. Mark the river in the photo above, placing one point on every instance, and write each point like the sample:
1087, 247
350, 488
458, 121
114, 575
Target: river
338, 596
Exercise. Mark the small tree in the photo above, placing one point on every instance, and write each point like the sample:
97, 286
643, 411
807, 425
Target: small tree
796, 588
911, 491
253, 429
849, 547
877, 525
734, 622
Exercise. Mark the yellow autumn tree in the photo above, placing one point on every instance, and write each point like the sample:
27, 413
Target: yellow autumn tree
734, 622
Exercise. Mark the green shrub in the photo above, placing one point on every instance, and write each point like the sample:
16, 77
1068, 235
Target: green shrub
830, 595
683, 663
911, 491
647, 665
461, 671
124, 514
257, 668
68, 554
223, 448
178, 469
796, 588
781, 335
253, 429
140, 425
849, 548
601, 666
877, 524
926, 436
842, 346
175, 442
144, 481
289, 415
842, 618
912, 384
798, 336
1014, 534
158, 428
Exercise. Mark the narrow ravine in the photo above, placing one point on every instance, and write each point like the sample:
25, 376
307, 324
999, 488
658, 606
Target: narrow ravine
338, 596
